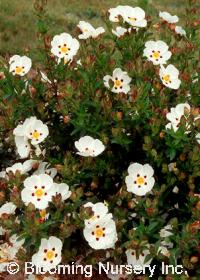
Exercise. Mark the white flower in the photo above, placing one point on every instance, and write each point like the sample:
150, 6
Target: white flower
164, 251
22, 168
7, 208
35, 130
20, 65
140, 179
172, 166
88, 31
175, 115
64, 46
169, 76
140, 261
120, 80
63, 190
157, 52
167, 17
175, 189
166, 231
44, 78
23, 146
89, 147
120, 31
32, 129
49, 254
101, 235
134, 16
9, 250
179, 30
38, 190
44, 168
100, 211
114, 13
2, 231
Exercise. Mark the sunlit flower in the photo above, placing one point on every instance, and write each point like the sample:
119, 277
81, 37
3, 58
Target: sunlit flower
100, 211
179, 30
140, 179
157, 52
44, 168
139, 260
170, 76
64, 46
120, 81
168, 18
101, 235
89, 147
22, 168
134, 16
88, 31
49, 254
20, 65
38, 190
63, 190
120, 31
166, 231
7, 208
175, 115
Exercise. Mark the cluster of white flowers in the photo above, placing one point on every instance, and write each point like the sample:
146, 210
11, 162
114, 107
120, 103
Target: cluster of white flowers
135, 17
100, 229
176, 114
158, 53
167, 17
88, 31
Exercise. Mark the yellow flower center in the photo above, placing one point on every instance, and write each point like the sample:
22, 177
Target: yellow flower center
35, 134
132, 18
64, 49
118, 83
39, 193
156, 55
50, 255
166, 78
99, 232
85, 30
18, 70
140, 180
